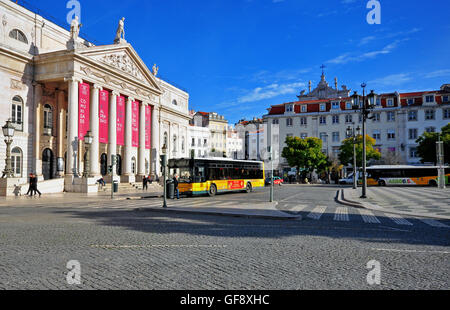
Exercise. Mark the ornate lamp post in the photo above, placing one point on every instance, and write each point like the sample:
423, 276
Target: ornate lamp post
163, 164
8, 132
88, 138
354, 133
365, 109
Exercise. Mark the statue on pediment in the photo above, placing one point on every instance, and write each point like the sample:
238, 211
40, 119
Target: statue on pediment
120, 33
75, 28
155, 70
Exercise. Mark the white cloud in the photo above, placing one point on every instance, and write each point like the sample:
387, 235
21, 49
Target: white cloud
393, 79
270, 91
438, 73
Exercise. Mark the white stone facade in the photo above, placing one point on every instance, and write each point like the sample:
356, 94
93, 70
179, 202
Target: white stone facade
199, 141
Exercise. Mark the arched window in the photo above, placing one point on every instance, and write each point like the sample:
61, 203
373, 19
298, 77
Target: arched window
174, 102
165, 140
48, 120
182, 144
18, 35
16, 161
17, 113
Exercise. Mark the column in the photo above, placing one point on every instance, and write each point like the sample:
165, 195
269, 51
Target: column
60, 126
128, 140
141, 160
37, 128
112, 139
72, 128
154, 163
94, 126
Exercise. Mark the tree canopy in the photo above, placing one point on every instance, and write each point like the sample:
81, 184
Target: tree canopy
427, 145
346, 150
304, 153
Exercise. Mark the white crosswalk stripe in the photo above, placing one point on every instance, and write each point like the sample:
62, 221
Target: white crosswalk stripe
398, 219
434, 223
317, 213
341, 215
368, 217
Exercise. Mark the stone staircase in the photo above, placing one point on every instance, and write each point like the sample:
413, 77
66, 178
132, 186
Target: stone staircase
131, 187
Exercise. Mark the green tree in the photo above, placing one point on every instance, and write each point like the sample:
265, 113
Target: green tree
346, 150
304, 153
427, 145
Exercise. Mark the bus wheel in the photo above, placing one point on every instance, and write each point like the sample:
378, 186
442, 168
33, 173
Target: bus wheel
433, 183
382, 183
249, 187
212, 190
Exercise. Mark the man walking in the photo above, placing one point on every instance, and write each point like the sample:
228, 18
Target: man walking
175, 183
34, 189
145, 183
30, 188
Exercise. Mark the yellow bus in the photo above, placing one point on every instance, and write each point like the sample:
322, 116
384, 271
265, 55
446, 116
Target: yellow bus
405, 175
216, 175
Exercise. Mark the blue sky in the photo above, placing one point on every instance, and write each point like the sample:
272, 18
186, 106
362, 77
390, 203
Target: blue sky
238, 57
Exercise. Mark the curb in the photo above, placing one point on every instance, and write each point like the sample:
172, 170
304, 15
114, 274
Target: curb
340, 198
258, 216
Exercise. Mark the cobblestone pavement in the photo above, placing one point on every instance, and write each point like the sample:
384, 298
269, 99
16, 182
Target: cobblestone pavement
419, 200
121, 248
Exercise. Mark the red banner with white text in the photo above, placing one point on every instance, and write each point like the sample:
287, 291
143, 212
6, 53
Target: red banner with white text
103, 110
135, 124
148, 127
83, 110
120, 120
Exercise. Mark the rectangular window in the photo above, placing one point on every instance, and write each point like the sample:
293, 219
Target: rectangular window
376, 135
303, 121
391, 116
378, 102
430, 129
324, 136
412, 116
275, 122
348, 105
429, 115
304, 108
289, 122
390, 102
413, 134
323, 120
444, 98
413, 153
335, 119
410, 101
429, 99
289, 108
348, 119
335, 105
376, 117
303, 135
323, 107
446, 114
391, 134
336, 137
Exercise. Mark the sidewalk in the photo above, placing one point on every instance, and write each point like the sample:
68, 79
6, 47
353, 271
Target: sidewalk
418, 201
264, 210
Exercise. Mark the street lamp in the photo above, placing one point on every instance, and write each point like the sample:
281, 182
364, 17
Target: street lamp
8, 132
164, 163
365, 109
354, 134
88, 139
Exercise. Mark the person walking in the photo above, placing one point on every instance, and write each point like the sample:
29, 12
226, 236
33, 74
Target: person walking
30, 188
145, 183
34, 186
175, 183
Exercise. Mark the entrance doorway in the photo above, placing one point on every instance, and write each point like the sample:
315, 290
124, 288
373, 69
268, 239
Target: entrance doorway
119, 165
47, 164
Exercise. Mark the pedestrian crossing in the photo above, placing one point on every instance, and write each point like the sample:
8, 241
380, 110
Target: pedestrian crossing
315, 213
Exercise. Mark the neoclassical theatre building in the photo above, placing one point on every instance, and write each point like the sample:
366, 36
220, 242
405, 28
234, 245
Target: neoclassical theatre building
56, 86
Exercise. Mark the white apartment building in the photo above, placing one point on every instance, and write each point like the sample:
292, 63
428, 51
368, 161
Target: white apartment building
399, 119
199, 139
235, 145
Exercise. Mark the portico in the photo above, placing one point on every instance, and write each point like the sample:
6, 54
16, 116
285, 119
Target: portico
109, 91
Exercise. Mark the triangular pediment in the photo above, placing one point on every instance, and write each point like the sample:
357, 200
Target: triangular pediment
124, 60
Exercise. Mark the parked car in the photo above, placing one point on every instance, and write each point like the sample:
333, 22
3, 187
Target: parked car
347, 180
276, 181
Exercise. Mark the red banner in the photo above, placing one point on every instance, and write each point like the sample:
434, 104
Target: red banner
148, 127
135, 124
120, 120
83, 110
103, 116
235, 184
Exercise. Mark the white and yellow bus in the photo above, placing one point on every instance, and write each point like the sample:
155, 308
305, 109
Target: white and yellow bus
216, 175
404, 175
